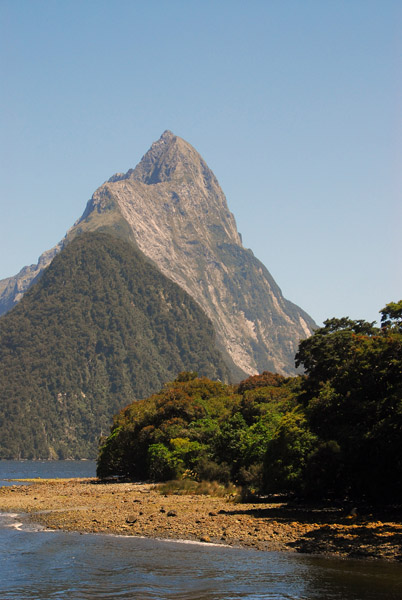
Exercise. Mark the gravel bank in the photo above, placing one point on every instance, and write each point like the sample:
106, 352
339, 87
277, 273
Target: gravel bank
140, 510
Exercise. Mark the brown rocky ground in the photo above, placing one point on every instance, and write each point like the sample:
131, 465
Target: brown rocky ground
140, 510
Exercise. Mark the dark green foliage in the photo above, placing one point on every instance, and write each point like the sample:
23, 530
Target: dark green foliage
200, 429
287, 454
101, 328
391, 316
334, 432
161, 463
323, 472
353, 401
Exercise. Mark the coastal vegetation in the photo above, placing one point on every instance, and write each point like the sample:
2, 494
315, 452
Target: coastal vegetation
334, 432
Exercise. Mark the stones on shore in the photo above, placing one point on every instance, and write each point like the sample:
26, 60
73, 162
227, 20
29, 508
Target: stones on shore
78, 508
131, 520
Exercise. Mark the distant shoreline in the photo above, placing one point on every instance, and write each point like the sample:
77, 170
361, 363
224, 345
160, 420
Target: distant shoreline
88, 506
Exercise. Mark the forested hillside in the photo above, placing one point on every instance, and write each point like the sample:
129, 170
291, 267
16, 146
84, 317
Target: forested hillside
101, 328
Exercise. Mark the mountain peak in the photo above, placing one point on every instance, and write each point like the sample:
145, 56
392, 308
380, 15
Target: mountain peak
167, 135
170, 158
172, 208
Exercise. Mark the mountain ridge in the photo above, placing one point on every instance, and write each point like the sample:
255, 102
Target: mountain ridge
171, 207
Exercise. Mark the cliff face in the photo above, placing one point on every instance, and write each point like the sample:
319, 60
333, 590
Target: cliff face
180, 219
173, 209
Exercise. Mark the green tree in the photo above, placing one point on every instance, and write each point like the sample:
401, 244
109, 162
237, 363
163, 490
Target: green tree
287, 454
391, 315
353, 399
162, 464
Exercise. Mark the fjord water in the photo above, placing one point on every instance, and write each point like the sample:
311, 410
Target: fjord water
44, 469
41, 565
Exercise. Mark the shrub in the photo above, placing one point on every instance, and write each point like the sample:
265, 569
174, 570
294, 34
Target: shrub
209, 470
184, 487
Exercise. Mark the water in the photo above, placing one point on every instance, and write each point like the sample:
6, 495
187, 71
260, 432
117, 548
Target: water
45, 469
42, 565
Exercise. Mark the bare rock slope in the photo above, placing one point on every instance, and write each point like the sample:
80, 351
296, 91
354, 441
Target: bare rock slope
172, 208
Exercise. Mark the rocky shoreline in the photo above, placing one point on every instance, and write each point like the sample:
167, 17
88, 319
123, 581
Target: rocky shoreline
89, 506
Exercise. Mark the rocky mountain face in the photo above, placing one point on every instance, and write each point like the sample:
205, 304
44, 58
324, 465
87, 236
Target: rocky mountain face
13, 288
173, 210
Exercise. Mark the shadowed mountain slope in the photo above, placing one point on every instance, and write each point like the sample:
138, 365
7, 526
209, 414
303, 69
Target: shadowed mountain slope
101, 328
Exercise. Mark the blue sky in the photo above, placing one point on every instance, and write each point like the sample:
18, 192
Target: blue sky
295, 105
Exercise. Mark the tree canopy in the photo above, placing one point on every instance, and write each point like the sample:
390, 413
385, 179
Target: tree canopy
353, 400
335, 431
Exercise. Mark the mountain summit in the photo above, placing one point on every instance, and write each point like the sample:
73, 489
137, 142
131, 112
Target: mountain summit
171, 158
171, 207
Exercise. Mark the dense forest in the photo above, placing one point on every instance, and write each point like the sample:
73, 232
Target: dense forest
335, 431
101, 328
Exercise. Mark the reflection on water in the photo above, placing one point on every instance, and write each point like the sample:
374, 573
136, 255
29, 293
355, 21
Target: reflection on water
42, 565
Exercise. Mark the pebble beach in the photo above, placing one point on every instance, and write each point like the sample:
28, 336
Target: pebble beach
133, 509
